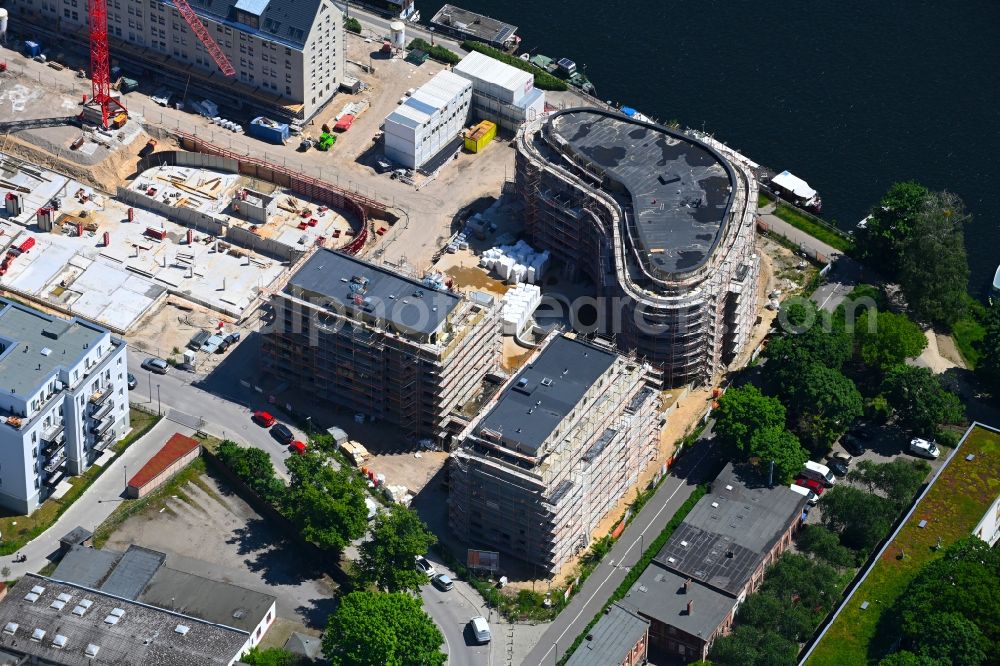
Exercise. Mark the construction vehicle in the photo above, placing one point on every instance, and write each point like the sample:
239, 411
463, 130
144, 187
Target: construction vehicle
326, 141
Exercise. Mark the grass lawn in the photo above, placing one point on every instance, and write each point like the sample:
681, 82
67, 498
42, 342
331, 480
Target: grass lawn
814, 229
953, 506
763, 200
18, 530
967, 334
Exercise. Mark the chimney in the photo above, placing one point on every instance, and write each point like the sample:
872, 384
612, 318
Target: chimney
690, 606
687, 586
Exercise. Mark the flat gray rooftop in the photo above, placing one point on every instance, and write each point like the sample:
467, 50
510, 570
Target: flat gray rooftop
487, 29
730, 530
331, 279
680, 189
659, 594
541, 395
142, 634
34, 345
611, 639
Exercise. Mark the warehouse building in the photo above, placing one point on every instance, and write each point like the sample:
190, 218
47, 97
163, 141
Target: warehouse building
714, 560
383, 344
63, 401
552, 453
288, 54
501, 93
661, 223
429, 122
620, 638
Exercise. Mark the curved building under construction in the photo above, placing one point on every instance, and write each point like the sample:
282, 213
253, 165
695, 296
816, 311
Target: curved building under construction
662, 223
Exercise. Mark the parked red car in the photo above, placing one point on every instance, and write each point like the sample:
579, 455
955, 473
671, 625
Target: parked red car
263, 419
811, 484
298, 447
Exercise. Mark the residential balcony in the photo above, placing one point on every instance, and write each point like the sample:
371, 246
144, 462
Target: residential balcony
105, 441
98, 398
103, 411
54, 463
55, 434
102, 427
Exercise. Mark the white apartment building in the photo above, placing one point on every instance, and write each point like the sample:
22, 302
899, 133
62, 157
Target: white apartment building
503, 94
428, 121
289, 52
63, 400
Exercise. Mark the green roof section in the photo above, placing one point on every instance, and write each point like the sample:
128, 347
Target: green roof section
952, 506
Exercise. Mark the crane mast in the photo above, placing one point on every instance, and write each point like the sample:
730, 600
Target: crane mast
100, 61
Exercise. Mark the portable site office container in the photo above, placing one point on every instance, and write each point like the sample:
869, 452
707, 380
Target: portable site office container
428, 120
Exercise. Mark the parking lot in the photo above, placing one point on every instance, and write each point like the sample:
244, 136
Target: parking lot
207, 530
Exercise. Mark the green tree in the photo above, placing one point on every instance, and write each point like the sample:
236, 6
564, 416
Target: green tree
777, 445
825, 544
270, 657
382, 629
988, 367
743, 411
906, 658
887, 339
254, 467
765, 612
352, 24
951, 636
326, 504
826, 403
934, 268
862, 519
747, 646
890, 227
899, 479
387, 557
810, 583
919, 400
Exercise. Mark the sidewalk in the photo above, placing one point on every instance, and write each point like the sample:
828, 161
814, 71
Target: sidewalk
97, 503
795, 235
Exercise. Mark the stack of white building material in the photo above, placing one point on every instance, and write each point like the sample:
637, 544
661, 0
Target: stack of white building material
518, 305
516, 263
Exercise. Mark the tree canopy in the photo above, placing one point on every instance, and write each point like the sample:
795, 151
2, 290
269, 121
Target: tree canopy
742, 412
777, 445
988, 367
382, 629
890, 226
887, 339
825, 544
826, 403
254, 467
919, 400
862, 519
749, 646
934, 268
907, 658
326, 504
397, 537
899, 479
270, 657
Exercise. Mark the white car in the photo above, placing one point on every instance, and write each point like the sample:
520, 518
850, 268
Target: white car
924, 448
425, 566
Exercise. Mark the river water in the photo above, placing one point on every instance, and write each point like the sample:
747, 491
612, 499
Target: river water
850, 95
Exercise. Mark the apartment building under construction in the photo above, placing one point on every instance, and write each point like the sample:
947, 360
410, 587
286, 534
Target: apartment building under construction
662, 223
552, 453
379, 343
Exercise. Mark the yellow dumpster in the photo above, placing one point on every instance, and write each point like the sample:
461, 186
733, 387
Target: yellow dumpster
477, 137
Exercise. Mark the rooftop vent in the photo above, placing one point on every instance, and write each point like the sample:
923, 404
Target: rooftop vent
46, 351
240, 613
671, 560
79, 610
10, 628
111, 619
31, 597
684, 543
182, 629
92, 650
38, 589
715, 505
970, 457
64, 597
58, 605
546, 381
37, 635
59, 641
728, 487
118, 612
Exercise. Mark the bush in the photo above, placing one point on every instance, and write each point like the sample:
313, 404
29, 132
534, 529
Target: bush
825, 544
352, 24
543, 79
439, 53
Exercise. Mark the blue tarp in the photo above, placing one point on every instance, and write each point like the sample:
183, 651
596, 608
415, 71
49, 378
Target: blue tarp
628, 111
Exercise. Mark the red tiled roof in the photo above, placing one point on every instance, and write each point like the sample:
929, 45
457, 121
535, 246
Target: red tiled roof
176, 448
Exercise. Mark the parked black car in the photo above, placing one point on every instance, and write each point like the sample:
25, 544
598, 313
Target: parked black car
838, 467
852, 445
281, 433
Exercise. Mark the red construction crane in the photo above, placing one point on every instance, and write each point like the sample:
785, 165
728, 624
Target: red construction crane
199, 29
100, 62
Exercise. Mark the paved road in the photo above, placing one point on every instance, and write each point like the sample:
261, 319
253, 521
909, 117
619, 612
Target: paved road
103, 497
645, 527
452, 611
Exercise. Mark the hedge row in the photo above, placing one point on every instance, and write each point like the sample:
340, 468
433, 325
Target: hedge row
543, 79
439, 53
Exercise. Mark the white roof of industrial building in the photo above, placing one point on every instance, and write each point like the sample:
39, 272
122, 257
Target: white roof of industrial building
429, 98
482, 67
794, 184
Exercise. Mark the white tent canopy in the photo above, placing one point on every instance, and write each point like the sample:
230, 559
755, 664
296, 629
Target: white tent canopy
800, 188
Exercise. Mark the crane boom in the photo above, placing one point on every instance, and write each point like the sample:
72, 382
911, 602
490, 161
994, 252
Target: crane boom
199, 29
100, 60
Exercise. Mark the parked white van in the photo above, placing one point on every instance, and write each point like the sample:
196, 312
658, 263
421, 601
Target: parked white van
923, 448
820, 472
480, 629
805, 492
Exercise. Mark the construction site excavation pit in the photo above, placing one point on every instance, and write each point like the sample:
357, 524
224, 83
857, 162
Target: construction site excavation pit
211, 237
